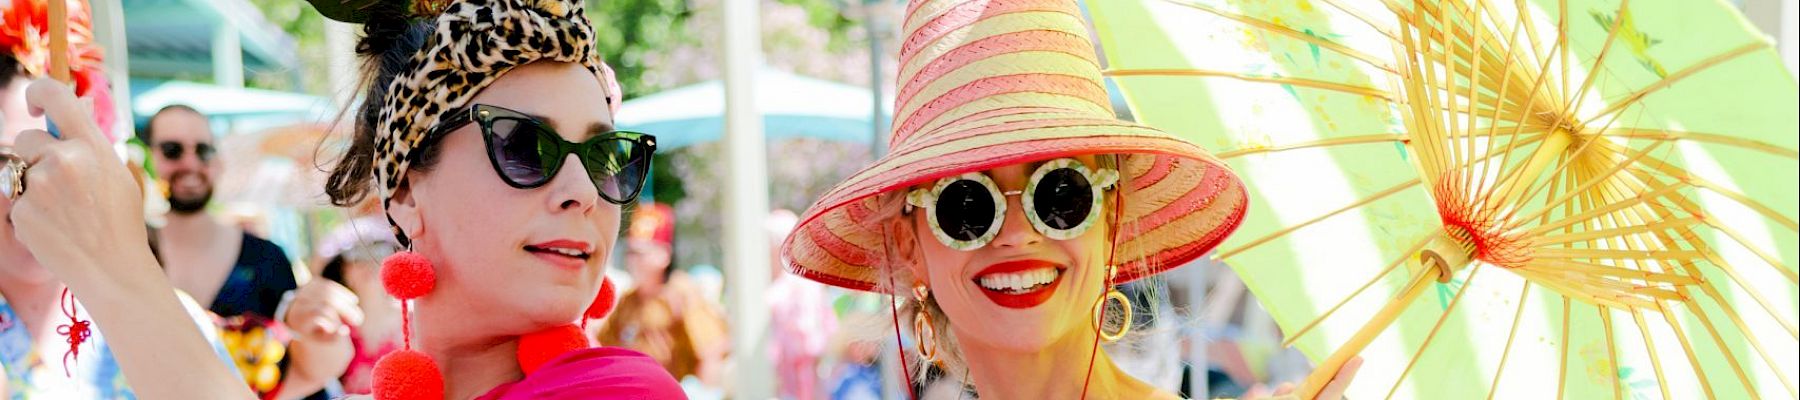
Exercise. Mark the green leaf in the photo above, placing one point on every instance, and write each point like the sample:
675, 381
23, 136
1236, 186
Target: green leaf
351, 11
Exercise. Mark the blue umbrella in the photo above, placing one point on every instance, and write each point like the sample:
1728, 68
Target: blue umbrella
244, 110
791, 106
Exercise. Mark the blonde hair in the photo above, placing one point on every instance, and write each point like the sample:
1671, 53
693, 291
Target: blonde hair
895, 275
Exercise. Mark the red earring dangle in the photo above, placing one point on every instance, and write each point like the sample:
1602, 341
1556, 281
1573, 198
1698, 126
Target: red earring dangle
540, 347
407, 374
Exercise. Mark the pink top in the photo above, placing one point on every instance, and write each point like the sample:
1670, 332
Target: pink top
607, 373
361, 372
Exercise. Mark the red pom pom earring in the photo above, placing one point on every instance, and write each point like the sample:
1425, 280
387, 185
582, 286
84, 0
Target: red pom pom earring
603, 303
407, 275
539, 347
407, 374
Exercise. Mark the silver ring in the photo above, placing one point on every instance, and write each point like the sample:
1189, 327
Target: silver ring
12, 176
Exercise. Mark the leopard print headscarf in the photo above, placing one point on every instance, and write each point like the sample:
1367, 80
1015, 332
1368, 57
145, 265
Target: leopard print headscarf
474, 43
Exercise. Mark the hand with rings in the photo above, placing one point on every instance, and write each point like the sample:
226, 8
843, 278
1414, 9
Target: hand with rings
12, 175
75, 205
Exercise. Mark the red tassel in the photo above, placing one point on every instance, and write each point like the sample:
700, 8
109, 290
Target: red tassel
77, 331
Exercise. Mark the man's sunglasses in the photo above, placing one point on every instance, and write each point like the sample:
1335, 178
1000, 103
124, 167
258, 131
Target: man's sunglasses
174, 150
526, 153
1060, 199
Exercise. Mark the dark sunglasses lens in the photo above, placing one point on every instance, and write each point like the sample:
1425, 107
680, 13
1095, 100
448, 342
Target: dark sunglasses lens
618, 167
1063, 198
518, 151
204, 151
965, 210
171, 150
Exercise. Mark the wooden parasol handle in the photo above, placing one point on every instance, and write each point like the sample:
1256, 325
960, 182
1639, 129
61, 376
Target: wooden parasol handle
1442, 258
1327, 369
59, 41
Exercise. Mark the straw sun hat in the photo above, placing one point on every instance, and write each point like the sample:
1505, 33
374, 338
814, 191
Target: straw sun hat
991, 83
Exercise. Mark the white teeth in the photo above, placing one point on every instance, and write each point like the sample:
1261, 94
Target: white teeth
566, 252
1019, 281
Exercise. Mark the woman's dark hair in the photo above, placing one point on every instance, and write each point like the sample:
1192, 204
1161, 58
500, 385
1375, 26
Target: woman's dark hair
390, 37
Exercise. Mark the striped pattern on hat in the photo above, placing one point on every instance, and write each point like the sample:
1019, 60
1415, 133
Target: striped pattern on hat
990, 83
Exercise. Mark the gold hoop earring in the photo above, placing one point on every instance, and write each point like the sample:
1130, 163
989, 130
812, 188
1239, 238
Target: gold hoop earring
1112, 293
1124, 307
924, 333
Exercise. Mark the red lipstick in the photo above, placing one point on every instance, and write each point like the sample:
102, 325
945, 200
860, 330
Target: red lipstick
1019, 300
565, 253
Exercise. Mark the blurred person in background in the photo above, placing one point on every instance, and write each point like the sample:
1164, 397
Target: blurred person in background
800, 318
665, 313
856, 350
221, 264
350, 258
242, 276
39, 317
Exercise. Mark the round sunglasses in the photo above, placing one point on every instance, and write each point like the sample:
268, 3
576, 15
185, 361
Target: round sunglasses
526, 153
966, 211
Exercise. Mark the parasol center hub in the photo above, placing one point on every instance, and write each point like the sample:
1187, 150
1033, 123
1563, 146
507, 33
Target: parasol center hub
1483, 240
1434, 261
1444, 256
1476, 229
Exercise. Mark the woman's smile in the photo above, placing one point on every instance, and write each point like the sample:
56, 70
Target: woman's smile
1020, 283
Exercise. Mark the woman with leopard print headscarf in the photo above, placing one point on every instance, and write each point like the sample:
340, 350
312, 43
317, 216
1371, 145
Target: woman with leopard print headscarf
486, 129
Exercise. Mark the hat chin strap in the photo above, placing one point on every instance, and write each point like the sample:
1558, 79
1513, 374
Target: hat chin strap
1111, 275
1087, 379
899, 344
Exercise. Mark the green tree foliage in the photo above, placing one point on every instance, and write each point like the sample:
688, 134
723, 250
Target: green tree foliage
307, 27
627, 31
634, 36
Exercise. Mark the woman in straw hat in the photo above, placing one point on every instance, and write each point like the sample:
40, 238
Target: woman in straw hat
486, 131
1014, 203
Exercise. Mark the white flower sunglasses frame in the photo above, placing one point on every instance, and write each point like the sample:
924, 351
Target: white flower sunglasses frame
1099, 181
